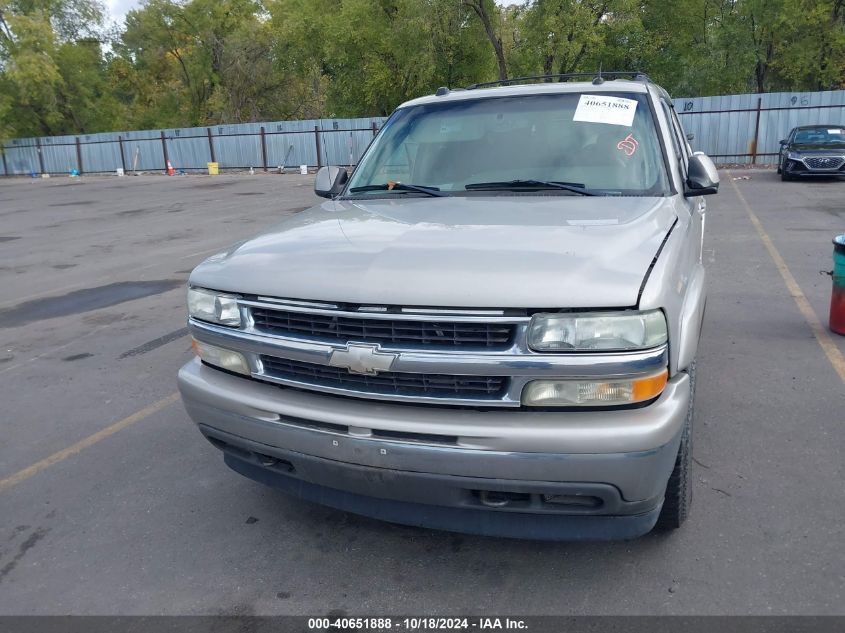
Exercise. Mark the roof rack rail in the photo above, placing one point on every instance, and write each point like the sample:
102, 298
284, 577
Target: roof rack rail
598, 78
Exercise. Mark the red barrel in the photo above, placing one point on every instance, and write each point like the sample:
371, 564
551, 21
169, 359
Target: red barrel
837, 297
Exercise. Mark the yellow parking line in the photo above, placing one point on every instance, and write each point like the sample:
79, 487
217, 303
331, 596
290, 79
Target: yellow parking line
819, 331
81, 445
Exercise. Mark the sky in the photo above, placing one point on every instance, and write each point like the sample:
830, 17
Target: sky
118, 8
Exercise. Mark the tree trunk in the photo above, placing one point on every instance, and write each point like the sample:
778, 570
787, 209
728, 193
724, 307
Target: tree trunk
481, 10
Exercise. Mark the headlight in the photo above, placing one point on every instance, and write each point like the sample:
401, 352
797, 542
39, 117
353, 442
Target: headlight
793, 156
584, 393
216, 307
221, 357
596, 331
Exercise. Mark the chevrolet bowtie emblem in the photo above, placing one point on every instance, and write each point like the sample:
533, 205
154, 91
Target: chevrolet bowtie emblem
362, 359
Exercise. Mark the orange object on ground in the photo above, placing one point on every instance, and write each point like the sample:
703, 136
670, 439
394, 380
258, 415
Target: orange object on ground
170, 170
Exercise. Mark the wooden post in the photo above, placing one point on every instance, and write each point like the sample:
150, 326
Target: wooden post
317, 142
164, 150
78, 156
122, 155
40, 157
263, 148
756, 132
210, 145
375, 129
5, 166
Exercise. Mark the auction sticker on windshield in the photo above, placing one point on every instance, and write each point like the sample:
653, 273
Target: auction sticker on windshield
601, 109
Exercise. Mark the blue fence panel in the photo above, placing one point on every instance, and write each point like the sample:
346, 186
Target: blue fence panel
101, 155
187, 148
726, 127
143, 154
291, 150
288, 143
344, 147
58, 154
22, 157
814, 108
238, 152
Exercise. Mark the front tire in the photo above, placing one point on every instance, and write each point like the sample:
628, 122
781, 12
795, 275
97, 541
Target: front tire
678, 496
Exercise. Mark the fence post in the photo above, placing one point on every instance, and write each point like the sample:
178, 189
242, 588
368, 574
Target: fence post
263, 148
122, 155
40, 157
756, 132
164, 150
317, 141
5, 166
210, 145
78, 156
375, 129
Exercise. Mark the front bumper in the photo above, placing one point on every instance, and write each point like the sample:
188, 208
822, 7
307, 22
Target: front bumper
440, 467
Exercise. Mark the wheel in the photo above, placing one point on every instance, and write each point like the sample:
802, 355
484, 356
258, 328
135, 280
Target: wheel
785, 177
678, 496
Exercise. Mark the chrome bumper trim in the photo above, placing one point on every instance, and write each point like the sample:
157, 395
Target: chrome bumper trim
520, 366
273, 411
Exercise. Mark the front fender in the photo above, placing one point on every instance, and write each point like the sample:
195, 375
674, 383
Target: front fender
676, 285
692, 315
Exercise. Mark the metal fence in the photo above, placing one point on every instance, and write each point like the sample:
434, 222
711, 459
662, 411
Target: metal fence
731, 129
747, 128
247, 145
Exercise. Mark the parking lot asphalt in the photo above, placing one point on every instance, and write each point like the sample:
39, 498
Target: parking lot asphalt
112, 503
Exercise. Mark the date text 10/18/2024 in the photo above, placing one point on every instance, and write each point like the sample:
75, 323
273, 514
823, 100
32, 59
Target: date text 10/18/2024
416, 624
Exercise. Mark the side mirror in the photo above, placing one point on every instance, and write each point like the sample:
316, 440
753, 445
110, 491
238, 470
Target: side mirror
783, 141
702, 177
329, 181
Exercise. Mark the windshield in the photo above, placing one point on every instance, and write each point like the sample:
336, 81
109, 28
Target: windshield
820, 136
605, 144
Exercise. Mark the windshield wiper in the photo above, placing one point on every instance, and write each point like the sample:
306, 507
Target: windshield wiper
574, 187
399, 186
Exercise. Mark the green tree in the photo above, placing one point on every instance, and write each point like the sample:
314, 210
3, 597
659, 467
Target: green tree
812, 55
489, 14
460, 52
558, 33
197, 62
375, 54
52, 71
166, 40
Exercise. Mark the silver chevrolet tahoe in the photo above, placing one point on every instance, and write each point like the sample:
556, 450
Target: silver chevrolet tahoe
490, 326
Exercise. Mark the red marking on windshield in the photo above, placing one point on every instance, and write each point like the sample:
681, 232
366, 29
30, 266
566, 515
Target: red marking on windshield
628, 145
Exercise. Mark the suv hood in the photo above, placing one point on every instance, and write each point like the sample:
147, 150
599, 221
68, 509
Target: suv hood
529, 251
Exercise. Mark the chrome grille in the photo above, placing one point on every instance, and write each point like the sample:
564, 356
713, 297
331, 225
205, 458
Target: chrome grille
824, 162
385, 331
387, 383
